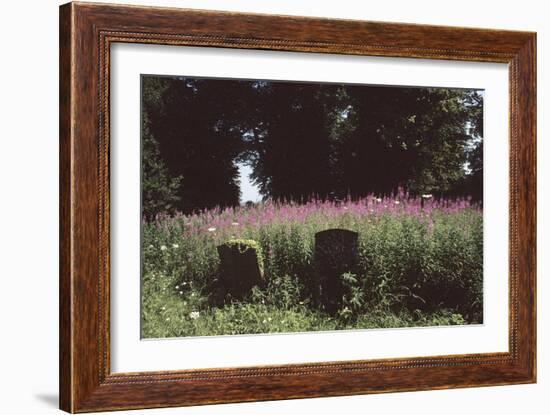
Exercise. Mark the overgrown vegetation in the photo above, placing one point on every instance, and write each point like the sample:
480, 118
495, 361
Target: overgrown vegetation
301, 140
316, 154
420, 264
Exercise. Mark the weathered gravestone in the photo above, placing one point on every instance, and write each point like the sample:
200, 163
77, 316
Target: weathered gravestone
241, 266
335, 254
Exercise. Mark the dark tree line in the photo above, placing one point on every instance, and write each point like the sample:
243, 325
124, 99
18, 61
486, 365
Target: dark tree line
303, 140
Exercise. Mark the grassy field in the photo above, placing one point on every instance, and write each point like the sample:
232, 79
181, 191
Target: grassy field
420, 263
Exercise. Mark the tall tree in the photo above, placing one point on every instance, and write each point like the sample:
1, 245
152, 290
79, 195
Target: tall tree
291, 160
413, 138
159, 190
306, 140
200, 138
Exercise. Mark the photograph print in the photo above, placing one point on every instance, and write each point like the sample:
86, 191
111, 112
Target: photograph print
283, 206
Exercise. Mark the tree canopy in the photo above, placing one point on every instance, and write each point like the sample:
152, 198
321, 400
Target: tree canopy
305, 140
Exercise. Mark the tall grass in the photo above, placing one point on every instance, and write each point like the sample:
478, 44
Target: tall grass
419, 264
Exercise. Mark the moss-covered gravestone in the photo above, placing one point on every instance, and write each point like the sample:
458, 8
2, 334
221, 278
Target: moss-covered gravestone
335, 254
241, 266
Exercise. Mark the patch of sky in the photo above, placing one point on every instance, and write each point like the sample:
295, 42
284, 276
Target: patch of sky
250, 192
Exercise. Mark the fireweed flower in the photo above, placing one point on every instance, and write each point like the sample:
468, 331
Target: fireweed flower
316, 213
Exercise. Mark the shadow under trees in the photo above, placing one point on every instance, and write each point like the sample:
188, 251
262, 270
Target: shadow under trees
326, 140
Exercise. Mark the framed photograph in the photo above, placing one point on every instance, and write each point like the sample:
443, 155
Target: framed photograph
259, 207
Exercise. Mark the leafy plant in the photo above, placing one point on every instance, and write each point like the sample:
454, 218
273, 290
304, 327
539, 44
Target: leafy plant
418, 264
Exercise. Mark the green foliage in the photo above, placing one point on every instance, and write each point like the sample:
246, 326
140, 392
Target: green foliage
354, 299
159, 188
305, 139
412, 271
159, 191
199, 132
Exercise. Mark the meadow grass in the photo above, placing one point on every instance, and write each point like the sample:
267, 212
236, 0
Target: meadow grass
420, 263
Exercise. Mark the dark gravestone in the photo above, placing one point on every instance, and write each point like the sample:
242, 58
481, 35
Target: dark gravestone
335, 254
241, 267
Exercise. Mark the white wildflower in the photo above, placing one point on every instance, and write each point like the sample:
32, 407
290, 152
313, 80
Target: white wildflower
396, 202
234, 223
177, 287
211, 229
378, 199
427, 196
175, 246
163, 308
193, 315
167, 318
163, 248
265, 321
181, 292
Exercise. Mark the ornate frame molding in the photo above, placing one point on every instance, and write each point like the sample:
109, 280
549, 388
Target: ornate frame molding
86, 33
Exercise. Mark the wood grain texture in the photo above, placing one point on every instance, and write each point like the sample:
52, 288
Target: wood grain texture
65, 248
86, 33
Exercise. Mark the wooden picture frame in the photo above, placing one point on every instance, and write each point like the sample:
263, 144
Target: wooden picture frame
86, 33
